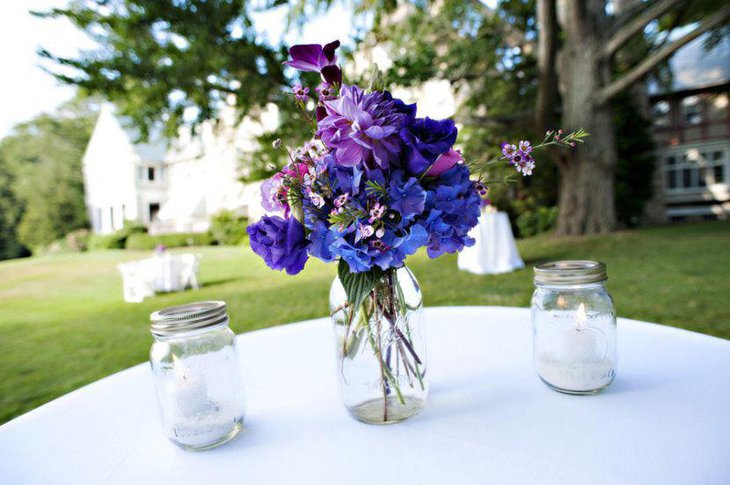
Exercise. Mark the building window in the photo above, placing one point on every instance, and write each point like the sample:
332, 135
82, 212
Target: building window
692, 110
718, 167
141, 173
718, 174
717, 107
686, 178
151, 174
660, 113
672, 179
695, 170
154, 208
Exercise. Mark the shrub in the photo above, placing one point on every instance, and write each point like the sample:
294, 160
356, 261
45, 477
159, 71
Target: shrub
116, 240
534, 219
106, 241
228, 228
148, 241
78, 240
131, 227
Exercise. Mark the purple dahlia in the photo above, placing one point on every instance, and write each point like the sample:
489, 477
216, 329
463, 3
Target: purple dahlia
363, 127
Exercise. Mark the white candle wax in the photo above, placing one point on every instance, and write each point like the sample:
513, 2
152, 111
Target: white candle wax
576, 360
190, 395
571, 375
205, 428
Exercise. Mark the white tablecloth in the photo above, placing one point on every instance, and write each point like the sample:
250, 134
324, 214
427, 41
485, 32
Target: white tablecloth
666, 418
495, 250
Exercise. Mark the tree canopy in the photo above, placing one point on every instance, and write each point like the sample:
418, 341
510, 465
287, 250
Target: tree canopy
41, 179
170, 60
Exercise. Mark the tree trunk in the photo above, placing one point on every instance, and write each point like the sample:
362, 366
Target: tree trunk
547, 47
586, 201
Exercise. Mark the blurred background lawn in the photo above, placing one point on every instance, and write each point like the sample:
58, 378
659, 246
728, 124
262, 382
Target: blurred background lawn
63, 322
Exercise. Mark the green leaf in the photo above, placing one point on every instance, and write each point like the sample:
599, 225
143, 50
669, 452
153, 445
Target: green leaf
357, 285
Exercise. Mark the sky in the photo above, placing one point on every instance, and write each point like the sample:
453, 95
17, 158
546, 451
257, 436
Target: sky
26, 90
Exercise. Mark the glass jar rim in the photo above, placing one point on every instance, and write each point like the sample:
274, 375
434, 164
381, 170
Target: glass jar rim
570, 272
181, 319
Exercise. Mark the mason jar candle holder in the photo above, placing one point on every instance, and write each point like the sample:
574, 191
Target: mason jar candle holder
574, 327
197, 375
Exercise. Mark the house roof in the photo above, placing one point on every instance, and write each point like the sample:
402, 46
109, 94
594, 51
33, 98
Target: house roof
694, 67
151, 150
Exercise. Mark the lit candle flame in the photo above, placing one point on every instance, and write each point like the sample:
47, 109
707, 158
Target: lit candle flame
580, 316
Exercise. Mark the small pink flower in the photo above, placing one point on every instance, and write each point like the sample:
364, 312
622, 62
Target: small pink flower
366, 231
300, 92
316, 199
525, 146
325, 91
508, 150
376, 212
341, 200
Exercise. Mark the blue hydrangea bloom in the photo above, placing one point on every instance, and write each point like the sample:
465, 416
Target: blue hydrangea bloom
452, 210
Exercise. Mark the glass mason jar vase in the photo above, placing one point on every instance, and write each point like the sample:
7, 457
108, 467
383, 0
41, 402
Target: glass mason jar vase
574, 327
197, 375
380, 348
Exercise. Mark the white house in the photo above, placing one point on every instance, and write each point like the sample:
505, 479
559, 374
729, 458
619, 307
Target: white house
123, 180
170, 185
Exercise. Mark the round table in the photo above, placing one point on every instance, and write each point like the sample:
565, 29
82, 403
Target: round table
489, 419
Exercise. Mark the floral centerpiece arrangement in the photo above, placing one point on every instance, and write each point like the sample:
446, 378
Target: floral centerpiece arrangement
375, 184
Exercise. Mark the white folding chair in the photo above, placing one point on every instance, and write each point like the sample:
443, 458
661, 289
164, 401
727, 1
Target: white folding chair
136, 287
189, 273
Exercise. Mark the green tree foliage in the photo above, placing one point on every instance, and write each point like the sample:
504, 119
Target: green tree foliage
10, 213
636, 162
43, 160
170, 59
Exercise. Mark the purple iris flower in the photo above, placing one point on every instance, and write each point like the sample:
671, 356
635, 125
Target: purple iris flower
362, 127
426, 140
316, 58
280, 242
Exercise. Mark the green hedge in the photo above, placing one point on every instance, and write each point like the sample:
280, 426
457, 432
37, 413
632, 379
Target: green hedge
228, 228
106, 241
537, 221
147, 241
116, 240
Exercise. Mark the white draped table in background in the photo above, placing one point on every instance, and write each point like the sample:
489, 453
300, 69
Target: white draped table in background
494, 250
489, 419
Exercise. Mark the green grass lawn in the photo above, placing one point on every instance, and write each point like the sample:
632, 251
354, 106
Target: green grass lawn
63, 323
